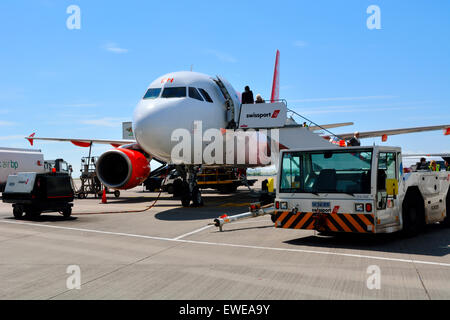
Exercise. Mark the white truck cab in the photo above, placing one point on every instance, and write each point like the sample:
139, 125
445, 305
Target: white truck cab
357, 189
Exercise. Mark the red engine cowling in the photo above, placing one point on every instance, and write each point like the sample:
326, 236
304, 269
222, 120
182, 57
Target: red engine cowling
123, 168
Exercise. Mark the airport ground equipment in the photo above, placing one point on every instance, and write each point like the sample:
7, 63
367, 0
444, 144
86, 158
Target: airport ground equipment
59, 165
90, 184
354, 190
155, 180
14, 160
359, 190
224, 180
33, 193
255, 210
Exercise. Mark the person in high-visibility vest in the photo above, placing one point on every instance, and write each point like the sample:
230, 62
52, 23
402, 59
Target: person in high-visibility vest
447, 166
434, 166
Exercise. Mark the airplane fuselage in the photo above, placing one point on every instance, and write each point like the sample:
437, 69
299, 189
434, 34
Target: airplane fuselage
179, 100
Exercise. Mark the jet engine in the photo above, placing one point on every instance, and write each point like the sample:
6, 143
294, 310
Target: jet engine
123, 168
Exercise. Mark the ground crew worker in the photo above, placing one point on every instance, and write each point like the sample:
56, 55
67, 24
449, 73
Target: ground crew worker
434, 166
447, 166
305, 125
422, 164
354, 142
247, 96
259, 99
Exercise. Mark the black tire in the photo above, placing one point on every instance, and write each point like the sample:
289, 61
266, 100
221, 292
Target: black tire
67, 212
273, 218
32, 212
185, 201
170, 189
413, 219
178, 186
117, 193
18, 212
197, 200
185, 195
446, 221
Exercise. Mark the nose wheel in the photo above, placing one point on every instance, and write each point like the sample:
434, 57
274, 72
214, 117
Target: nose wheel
190, 190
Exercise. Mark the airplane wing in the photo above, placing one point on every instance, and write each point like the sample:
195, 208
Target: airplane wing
82, 142
416, 155
331, 126
385, 133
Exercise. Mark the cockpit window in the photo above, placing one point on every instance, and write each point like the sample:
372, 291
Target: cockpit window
174, 92
193, 93
205, 95
152, 93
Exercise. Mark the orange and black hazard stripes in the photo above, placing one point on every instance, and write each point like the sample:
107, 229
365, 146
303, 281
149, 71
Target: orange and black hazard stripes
342, 222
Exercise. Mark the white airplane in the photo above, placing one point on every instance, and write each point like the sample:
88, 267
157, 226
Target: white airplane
178, 100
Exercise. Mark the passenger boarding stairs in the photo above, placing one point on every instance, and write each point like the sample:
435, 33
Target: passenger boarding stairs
273, 118
273, 115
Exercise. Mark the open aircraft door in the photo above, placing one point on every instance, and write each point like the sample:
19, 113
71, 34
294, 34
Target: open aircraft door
229, 93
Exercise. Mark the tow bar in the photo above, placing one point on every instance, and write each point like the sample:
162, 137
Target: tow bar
255, 210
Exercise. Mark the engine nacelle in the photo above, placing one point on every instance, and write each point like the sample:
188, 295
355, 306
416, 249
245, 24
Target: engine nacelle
122, 168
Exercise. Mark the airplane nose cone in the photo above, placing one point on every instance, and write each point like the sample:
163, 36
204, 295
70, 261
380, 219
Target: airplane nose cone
153, 125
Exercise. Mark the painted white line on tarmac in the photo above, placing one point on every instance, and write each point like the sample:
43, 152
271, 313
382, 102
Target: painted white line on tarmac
192, 232
231, 245
87, 230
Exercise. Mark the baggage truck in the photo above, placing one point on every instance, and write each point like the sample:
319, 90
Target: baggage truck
33, 193
13, 160
359, 190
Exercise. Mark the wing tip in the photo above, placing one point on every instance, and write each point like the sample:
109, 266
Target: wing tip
30, 138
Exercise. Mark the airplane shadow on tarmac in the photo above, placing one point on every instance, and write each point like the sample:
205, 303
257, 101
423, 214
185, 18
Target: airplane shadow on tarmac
214, 206
433, 241
199, 213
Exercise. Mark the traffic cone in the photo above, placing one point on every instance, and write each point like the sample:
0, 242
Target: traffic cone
104, 196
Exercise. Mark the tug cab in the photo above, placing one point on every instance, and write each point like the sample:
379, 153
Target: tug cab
357, 189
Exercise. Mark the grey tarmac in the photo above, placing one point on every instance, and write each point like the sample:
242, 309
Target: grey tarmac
170, 252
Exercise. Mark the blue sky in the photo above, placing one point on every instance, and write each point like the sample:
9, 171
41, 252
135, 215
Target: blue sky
84, 83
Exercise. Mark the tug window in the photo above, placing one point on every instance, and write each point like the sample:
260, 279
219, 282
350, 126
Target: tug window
205, 95
174, 92
193, 93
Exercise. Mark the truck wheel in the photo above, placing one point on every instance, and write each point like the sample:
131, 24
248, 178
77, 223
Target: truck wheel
446, 221
67, 212
32, 212
273, 217
18, 212
413, 219
117, 193
170, 189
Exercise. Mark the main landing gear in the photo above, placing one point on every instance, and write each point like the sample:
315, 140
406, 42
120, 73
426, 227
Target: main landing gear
189, 188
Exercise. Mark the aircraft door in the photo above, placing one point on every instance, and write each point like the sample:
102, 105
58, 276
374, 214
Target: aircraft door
234, 97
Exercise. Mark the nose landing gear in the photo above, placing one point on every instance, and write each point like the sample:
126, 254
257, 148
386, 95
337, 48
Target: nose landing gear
190, 190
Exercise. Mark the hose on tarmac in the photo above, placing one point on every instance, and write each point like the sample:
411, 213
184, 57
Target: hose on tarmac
128, 211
